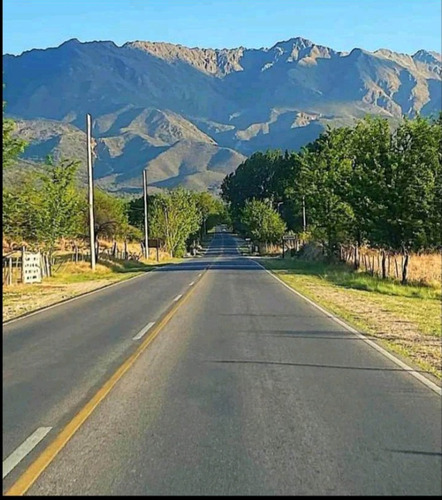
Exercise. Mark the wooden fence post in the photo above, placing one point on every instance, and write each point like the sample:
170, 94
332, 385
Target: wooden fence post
10, 271
22, 264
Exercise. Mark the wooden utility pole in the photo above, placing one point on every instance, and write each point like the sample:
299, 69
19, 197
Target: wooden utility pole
90, 191
146, 224
304, 223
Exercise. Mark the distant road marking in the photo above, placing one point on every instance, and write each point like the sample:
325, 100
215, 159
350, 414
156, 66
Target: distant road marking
200, 274
190, 284
33, 472
27, 446
142, 332
431, 385
178, 297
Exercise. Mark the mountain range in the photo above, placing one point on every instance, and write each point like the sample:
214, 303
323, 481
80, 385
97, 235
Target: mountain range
190, 115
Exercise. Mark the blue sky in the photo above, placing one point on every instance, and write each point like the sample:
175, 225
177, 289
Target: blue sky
400, 25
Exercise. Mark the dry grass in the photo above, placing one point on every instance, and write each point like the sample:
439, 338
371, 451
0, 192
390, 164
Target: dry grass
22, 299
70, 279
422, 268
426, 268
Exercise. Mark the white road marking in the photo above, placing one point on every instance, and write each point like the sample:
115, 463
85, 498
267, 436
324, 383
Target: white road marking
142, 332
200, 274
19, 454
178, 297
431, 385
190, 284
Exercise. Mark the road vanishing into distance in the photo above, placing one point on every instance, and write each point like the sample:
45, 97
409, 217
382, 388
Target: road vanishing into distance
246, 388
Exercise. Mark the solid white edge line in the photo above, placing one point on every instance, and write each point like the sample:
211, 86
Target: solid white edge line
431, 385
24, 449
191, 284
178, 297
142, 332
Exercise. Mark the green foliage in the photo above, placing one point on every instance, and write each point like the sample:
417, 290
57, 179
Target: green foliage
41, 208
365, 184
411, 213
324, 174
204, 207
173, 217
261, 222
110, 216
18, 213
56, 205
212, 210
135, 212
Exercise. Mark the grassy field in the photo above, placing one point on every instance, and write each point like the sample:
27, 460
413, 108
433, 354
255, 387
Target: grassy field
405, 319
69, 280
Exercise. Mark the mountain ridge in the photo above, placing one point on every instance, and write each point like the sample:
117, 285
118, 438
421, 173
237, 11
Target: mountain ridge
147, 98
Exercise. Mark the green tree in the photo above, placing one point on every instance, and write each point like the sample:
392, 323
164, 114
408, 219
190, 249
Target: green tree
366, 189
20, 202
212, 210
410, 216
325, 172
173, 217
13, 202
110, 216
254, 179
57, 204
135, 211
262, 223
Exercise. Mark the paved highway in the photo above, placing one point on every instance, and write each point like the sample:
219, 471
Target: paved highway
248, 389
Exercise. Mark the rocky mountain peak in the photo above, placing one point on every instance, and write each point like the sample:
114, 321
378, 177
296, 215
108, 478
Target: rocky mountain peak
212, 61
157, 105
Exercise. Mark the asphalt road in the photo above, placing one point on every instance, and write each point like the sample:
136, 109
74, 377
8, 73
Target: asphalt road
55, 360
248, 390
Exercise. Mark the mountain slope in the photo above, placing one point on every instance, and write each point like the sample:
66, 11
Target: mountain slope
172, 109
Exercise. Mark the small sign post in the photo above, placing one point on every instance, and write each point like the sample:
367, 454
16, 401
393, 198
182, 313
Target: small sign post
286, 238
31, 267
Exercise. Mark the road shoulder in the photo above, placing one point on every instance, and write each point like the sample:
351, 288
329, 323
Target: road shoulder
378, 318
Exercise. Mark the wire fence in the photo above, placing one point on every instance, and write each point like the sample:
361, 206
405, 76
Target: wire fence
12, 263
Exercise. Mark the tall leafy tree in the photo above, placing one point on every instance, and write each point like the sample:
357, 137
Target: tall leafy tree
325, 171
408, 219
110, 216
262, 223
366, 189
57, 206
173, 217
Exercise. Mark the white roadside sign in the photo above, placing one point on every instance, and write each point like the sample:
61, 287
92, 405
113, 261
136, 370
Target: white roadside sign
31, 267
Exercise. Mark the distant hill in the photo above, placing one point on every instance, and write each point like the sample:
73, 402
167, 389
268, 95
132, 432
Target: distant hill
189, 115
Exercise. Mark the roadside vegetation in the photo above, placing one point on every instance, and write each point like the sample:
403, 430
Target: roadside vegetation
46, 211
366, 186
368, 248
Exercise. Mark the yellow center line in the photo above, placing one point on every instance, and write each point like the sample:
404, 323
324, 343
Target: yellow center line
32, 473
